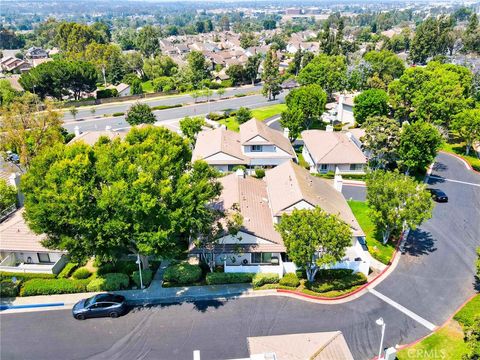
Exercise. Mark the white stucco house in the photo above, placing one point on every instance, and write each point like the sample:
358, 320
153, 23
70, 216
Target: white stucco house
329, 150
255, 145
259, 247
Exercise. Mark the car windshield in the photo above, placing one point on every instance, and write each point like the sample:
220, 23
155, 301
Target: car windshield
90, 301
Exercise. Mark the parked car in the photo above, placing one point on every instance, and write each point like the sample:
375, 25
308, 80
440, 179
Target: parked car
99, 306
438, 195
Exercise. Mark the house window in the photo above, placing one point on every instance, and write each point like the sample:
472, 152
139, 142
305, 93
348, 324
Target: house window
261, 258
256, 148
355, 167
324, 167
43, 257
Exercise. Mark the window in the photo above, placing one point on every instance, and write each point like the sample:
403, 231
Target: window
256, 148
355, 166
261, 258
324, 167
43, 257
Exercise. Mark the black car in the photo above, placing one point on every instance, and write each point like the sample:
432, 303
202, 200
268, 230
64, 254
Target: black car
100, 305
438, 195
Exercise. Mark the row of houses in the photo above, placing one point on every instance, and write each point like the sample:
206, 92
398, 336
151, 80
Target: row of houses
33, 57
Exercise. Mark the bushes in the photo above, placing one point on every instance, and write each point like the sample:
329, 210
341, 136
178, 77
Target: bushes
147, 276
163, 107
336, 280
124, 267
52, 286
67, 270
81, 273
290, 280
109, 282
259, 173
107, 93
118, 114
217, 278
24, 276
261, 279
9, 289
183, 273
216, 116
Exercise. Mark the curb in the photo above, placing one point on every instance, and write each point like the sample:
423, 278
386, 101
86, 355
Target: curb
29, 306
467, 165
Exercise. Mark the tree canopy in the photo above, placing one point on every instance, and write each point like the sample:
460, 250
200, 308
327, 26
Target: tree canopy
140, 114
381, 141
310, 100
191, 126
271, 75
371, 102
466, 125
8, 195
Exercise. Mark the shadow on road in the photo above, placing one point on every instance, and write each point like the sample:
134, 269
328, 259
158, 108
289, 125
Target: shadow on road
435, 180
438, 166
420, 243
200, 305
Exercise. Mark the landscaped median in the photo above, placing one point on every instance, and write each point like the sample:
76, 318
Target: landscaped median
459, 151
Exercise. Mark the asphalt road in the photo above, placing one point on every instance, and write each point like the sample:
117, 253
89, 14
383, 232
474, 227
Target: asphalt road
168, 115
433, 278
84, 111
354, 192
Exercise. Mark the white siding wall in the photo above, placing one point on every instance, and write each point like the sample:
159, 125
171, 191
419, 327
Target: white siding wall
308, 158
300, 206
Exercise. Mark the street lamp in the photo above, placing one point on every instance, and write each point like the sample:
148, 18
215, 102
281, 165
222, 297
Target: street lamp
140, 270
381, 323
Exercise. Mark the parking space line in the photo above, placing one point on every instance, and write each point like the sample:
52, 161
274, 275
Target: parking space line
455, 181
404, 310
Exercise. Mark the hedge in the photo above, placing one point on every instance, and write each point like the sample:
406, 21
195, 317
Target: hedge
121, 266
9, 289
118, 113
217, 278
52, 286
25, 276
343, 281
164, 107
109, 282
183, 273
67, 270
147, 276
107, 93
290, 280
265, 278
81, 273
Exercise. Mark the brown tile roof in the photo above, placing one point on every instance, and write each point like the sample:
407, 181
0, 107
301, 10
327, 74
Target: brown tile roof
236, 248
331, 147
253, 128
288, 184
15, 235
220, 140
91, 137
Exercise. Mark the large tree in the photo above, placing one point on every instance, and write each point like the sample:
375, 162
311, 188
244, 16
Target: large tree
159, 66
251, 67
311, 100
271, 76
381, 141
197, 70
292, 119
397, 202
419, 144
466, 125
191, 126
385, 65
73, 38
139, 195
147, 41
8, 195
140, 114
372, 102
314, 238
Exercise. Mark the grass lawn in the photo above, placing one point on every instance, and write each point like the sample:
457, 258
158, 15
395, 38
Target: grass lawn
231, 123
268, 111
446, 343
459, 149
379, 251
301, 161
147, 86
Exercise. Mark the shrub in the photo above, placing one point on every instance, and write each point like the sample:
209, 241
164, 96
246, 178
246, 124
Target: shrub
109, 282
327, 274
228, 278
164, 107
336, 280
9, 289
118, 114
216, 116
106, 268
163, 83
227, 83
25, 276
67, 270
81, 273
107, 93
52, 286
183, 273
259, 173
240, 95
243, 115
290, 279
147, 276
264, 278
121, 266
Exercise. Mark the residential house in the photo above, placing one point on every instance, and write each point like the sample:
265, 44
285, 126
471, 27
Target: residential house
36, 53
339, 152
258, 247
14, 65
37, 61
92, 136
256, 145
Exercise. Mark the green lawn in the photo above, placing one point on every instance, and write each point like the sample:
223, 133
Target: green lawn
147, 86
459, 149
231, 123
268, 111
446, 343
301, 161
382, 253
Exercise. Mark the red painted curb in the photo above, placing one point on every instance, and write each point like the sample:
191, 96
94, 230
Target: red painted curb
461, 159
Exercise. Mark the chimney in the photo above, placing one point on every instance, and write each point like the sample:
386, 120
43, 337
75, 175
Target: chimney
329, 128
76, 130
240, 172
286, 132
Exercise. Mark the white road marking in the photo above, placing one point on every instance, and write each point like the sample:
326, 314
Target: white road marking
403, 309
455, 181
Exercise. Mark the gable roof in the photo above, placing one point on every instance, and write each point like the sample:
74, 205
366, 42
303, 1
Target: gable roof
91, 137
220, 140
254, 128
330, 147
289, 184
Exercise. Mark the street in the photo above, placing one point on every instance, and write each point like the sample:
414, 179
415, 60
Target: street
433, 278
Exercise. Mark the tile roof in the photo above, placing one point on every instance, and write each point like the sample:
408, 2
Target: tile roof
253, 128
331, 147
91, 137
220, 140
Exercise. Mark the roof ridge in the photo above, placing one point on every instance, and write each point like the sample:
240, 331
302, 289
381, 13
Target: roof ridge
324, 346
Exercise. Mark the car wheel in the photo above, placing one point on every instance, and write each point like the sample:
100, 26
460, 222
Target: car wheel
80, 317
113, 314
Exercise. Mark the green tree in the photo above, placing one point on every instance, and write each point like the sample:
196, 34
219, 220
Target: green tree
471, 36
466, 125
73, 111
101, 32
385, 64
292, 119
243, 115
139, 195
330, 72
248, 40
472, 339
419, 144
372, 102
8, 195
147, 41
163, 83
271, 76
251, 67
221, 92
314, 239
311, 100
73, 38
191, 126
381, 141
80, 77
197, 68
136, 87
140, 114
159, 66
397, 202
7, 93
296, 64
236, 73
